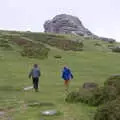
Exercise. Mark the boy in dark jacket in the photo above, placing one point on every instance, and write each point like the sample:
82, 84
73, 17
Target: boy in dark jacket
67, 76
35, 74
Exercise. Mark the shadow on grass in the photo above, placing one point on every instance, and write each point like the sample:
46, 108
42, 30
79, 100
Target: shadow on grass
39, 104
8, 88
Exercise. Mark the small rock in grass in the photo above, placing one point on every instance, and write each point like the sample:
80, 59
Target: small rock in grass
34, 104
2, 113
90, 85
49, 112
28, 88
42, 119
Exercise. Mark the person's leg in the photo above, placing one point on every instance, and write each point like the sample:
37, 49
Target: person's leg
33, 82
66, 83
36, 84
37, 81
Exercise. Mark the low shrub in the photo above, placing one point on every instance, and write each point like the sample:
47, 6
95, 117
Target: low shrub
109, 111
73, 97
93, 97
4, 43
35, 51
83, 95
116, 49
97, 44
57, 41
111, 46
103, 95
58, 56
113, 81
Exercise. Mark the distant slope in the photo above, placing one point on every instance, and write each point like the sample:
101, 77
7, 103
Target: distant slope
9, 39
94, 64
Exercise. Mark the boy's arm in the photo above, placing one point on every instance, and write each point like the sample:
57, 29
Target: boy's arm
30, 74
71, 74
62, 76
39, 73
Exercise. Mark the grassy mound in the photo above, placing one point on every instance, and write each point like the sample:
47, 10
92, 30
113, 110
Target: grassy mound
116, 49
5, 44
95, 97
109, 111
83, 95
107, 96
28, 47
114, 81
59, 41
32, 49
35, 51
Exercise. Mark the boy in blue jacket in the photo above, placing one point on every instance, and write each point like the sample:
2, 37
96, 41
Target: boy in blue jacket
67, 76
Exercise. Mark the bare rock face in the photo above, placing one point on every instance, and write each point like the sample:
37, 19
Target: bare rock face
67, 24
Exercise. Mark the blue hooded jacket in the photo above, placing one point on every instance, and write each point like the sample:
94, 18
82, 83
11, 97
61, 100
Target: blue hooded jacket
66, 74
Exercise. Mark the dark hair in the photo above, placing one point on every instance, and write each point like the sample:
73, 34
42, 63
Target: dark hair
35, 65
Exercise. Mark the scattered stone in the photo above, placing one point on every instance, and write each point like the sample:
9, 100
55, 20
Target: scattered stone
28, 88
115, 75
49, 112
90, 85
42, 119
9, 119
110, 40
2, 113
35, 104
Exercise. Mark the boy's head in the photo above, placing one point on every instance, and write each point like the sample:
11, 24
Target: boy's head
35, 65
65, 67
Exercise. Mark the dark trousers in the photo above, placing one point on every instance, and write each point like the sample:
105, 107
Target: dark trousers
35, 83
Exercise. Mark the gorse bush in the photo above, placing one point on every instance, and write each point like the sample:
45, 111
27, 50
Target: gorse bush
103, 95
109, 111
108, 96
97, 96
83, 95
58, 41
4, 43
35, 51
32, 49
116, 49
93, 97
58, 56
113, 81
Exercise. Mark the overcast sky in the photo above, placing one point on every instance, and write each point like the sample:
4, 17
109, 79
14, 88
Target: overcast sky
101, 17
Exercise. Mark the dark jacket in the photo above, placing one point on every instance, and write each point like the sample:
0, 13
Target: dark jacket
34, 73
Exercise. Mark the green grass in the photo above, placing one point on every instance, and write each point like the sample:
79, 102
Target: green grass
93, 65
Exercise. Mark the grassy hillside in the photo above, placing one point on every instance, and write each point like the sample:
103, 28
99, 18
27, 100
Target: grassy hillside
95, 63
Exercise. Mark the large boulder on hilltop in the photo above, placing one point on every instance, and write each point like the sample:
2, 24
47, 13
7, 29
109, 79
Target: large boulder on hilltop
68, 24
